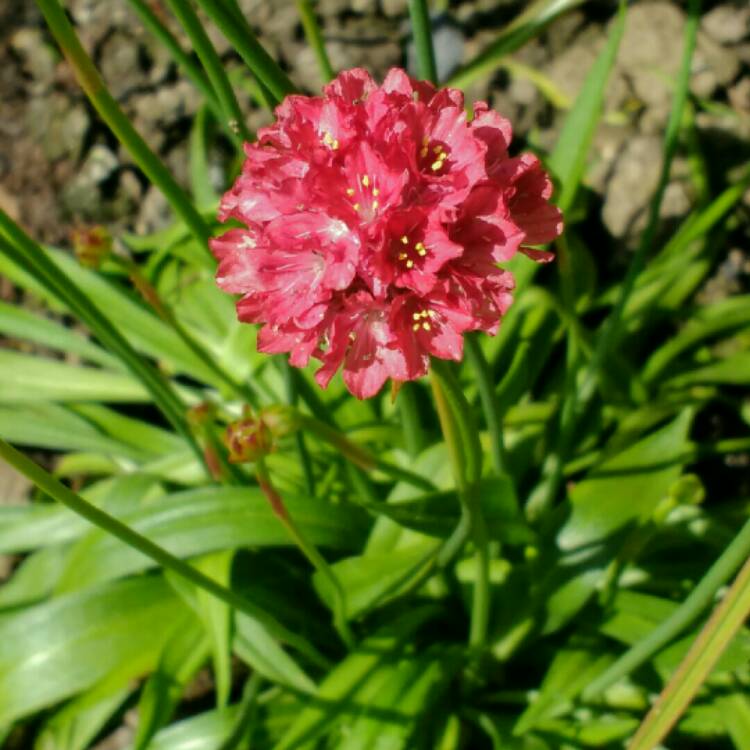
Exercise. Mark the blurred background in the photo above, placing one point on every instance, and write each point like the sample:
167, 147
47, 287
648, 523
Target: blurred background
60, 166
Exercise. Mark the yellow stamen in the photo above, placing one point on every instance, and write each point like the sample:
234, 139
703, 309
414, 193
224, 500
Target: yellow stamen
437, 149
431, 313
410, 264
425, 140
329, 140
436, 165
443, 156
404, 240
376, 192
350, 191
415, 327
402, 256
425, 326
423, 151
416, 316
356, 206
375, 205
365, 180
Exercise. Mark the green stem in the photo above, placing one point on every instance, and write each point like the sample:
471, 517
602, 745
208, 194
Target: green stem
358, 455
323, 416
292, 396
242, 729
695, 604
407, 403
490, 405
462, 439
422, 33
58, 491
315, 37
26, 254
697, 665
309, 550
232, 115
236, 29
94, 87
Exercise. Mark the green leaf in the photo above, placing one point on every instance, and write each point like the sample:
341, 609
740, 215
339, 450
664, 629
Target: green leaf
735, 711
134, 433
79, 721
437, 514
199, 521
704, 323
733, 370
34, 579
19, 323
58, 427
33, 378
627, 487
369, 579
183, 654
54, 650
257, 648
342, 688
217, 620
398, 697
570, 671
24, 528
142, 329
635, 615
206, 731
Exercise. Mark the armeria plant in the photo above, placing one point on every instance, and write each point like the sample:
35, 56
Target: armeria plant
512, 547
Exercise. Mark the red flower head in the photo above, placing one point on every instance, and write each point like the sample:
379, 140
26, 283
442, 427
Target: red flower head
376, 217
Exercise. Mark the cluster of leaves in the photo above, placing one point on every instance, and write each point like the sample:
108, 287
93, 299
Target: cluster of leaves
604, 551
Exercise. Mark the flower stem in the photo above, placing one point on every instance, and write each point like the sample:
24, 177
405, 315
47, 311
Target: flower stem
710, 644
232, 115
492, 415
236, 29
315, 38
422, 32
292, 395
309, 550
55, 489
94, 87
407, 403
462, 439
191, 69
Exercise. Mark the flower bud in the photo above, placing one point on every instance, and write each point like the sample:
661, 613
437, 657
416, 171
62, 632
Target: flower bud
91, 245
248, 439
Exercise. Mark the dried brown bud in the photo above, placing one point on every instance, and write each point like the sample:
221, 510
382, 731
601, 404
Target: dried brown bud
91, 245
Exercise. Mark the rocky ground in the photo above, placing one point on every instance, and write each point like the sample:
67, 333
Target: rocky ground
59, 166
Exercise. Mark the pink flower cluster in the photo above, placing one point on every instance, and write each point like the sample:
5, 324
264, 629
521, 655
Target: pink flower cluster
376, 217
